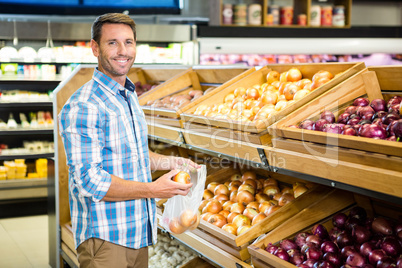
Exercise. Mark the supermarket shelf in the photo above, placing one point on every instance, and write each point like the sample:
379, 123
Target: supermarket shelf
299, 32
25, 104
14, 78
48, 131
26, 156
23, 188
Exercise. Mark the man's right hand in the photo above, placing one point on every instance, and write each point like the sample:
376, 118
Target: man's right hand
165, 187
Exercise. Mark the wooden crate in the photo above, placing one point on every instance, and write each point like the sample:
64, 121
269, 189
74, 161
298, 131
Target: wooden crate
192, 79
364, 84
257, 132
261, 258
237, 245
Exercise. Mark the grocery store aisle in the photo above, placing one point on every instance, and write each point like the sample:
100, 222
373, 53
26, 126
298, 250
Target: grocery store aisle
24, 242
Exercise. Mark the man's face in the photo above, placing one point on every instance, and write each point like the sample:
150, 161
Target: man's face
116, 51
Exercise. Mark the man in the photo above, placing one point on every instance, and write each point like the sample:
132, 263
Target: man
104, 132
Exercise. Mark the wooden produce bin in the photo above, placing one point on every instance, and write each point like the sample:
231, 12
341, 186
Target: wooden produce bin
192, 79
236, 245
256, 132
364, 84
301, 223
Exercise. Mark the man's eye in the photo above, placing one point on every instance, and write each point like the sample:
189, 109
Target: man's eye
112, 43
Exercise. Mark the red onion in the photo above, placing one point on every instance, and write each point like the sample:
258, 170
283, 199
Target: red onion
364, 110
389, 128
307, 124
320, 124
302, 265
373, 131
399, 235
361, 234
304, 248
344, 239
399, 262
366, 248
356, 259
391, 246
367, 116
339, 220
271, 248
292, 252
394, 100
343, 118
300, 238
379, 114
334, 232
334, 128
282, 254
320, 231
333, 258
376, 255
354, 121
367, 265
288, 244
389, 118
394, 109
386, 262
328, 115
397, 129
361, 102
329, 246
398, 228
378, 105
314, 253
358, 213
391, 138
314, 239
349, 131
351, 109
323, 264
382, 225
348, 250
297, 258
310, 263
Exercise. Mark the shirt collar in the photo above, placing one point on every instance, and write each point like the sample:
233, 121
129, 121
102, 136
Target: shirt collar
111, 84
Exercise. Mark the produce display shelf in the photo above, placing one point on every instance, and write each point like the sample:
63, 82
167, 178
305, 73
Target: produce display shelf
379, 180
26, 156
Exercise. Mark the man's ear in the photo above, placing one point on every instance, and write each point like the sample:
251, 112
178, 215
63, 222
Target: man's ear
95, 48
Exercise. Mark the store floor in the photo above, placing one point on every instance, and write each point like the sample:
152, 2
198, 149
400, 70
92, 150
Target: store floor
24, 242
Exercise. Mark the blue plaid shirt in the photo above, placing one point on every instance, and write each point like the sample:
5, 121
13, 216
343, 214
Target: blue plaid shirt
104, 132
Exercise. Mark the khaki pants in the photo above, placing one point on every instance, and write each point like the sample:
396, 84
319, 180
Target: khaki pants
97, 253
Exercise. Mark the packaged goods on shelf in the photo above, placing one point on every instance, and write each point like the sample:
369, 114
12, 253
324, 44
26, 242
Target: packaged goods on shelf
24, 96
16, 169
41, 167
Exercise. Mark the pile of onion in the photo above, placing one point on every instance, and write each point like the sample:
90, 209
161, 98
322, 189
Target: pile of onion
245, 200
354, 241
258, 102
378, 119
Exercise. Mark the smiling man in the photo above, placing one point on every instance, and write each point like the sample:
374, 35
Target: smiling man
104, 132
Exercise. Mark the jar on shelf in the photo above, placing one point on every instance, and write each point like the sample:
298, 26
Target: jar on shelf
315, 15
274, 10
338, 16
240, 14
254, 14
287, 15
326, 16
302, 19
227, 14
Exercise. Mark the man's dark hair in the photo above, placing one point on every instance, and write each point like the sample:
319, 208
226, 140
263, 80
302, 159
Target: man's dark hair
111, 18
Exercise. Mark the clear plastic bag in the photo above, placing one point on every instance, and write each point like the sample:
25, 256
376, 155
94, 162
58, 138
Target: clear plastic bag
181, 212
